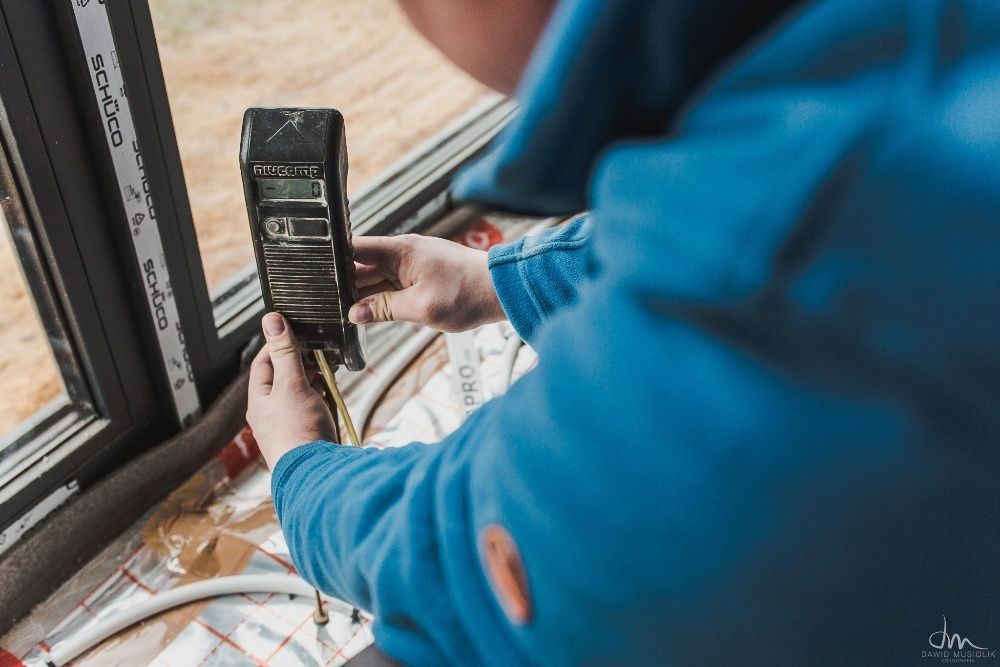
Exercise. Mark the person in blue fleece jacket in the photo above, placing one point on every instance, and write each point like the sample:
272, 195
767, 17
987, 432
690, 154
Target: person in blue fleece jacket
764, 426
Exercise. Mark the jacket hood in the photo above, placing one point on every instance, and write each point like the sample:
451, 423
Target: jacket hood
605, 71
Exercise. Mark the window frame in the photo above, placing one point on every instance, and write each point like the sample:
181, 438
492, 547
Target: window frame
63, 246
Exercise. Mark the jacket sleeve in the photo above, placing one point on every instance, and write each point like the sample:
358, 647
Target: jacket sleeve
390, 531
538, 275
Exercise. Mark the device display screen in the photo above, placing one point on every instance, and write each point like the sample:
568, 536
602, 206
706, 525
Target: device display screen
290, 188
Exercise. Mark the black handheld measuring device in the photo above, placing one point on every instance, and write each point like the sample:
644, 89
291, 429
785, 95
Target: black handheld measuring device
294, 164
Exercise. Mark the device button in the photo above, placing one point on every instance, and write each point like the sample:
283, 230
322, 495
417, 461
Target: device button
275, 226
309, 228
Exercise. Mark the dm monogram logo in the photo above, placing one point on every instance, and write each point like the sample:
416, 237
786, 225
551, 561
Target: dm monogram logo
954, 648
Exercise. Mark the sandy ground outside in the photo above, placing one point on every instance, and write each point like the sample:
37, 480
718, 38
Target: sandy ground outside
359, 56
220, 57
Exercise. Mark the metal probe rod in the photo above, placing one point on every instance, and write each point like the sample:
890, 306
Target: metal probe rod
330, 380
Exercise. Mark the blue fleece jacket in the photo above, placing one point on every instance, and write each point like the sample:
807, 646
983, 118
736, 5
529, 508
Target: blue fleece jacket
764, 426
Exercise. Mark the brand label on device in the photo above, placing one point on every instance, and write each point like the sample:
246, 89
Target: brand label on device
287, 170
102, 63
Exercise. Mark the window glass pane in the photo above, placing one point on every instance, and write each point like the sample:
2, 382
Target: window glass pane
359, 56
28, 372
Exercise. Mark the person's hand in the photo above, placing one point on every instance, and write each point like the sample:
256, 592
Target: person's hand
431, 281
285, 406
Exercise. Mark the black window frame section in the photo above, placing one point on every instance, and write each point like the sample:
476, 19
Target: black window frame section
76, 244
61, 226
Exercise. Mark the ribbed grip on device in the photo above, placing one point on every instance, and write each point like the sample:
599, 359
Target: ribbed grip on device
303, 282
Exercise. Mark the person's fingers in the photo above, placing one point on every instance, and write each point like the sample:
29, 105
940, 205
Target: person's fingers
283, 350
390, 306
382, 251
318, 386
366, 275
261, 373
384, 286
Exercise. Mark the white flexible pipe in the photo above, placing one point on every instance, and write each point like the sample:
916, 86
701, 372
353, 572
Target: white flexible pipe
388, 371
508, 358
175, 597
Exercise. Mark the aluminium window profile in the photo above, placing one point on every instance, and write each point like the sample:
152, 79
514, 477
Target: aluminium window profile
59, 227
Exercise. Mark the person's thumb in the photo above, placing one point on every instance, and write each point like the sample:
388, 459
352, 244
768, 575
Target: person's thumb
283, 349
389, 306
